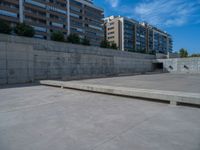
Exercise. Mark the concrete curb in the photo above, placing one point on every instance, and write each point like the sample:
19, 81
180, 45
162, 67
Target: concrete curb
171, 96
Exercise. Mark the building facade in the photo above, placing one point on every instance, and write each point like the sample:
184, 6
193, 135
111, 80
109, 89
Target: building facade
131, 35
45, 16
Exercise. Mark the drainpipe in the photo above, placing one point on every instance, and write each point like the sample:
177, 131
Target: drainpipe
21, 11
68, 17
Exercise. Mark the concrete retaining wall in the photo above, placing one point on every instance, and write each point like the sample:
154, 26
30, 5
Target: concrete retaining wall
26, 59
16, 63
181, 65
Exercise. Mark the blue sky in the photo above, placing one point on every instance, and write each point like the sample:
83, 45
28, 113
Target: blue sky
180, 18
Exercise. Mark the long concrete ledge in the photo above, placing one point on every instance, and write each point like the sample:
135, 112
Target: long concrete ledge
171, 96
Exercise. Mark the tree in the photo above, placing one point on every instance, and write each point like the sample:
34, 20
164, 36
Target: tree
24, 30
73, 38
113, 46
195, 55
5, 27
105, 44
183, 53
85, 41
57, 36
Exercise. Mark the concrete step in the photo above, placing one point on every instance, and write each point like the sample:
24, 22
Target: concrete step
173, 97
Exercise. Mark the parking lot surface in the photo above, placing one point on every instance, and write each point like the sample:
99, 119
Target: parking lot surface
49, 118
164, 81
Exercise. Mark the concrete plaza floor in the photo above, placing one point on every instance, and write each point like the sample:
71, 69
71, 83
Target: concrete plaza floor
166, 81
48, 118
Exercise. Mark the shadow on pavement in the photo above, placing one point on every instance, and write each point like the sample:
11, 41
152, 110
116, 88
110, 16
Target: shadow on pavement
18, 85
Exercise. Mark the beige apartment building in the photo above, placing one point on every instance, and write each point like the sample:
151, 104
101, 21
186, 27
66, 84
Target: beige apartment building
131, 35
45, 16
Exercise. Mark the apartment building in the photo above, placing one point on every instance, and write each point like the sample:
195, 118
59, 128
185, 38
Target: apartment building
45, 16
131, 35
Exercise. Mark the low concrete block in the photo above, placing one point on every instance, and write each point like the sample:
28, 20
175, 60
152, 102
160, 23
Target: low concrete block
171, 96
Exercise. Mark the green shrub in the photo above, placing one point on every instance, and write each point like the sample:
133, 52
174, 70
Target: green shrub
105, 44
143, 51
85, 41
152, 53
5, 27
24, 30
113, 46
73, 38
57, 36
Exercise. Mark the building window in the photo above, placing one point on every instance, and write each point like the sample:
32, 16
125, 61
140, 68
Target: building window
111, 28
56, 10
41, 29
55, 24
36, 3
7, 13
74, 15
111, 37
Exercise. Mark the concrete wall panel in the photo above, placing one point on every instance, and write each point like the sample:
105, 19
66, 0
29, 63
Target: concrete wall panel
181, 65
28, 59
